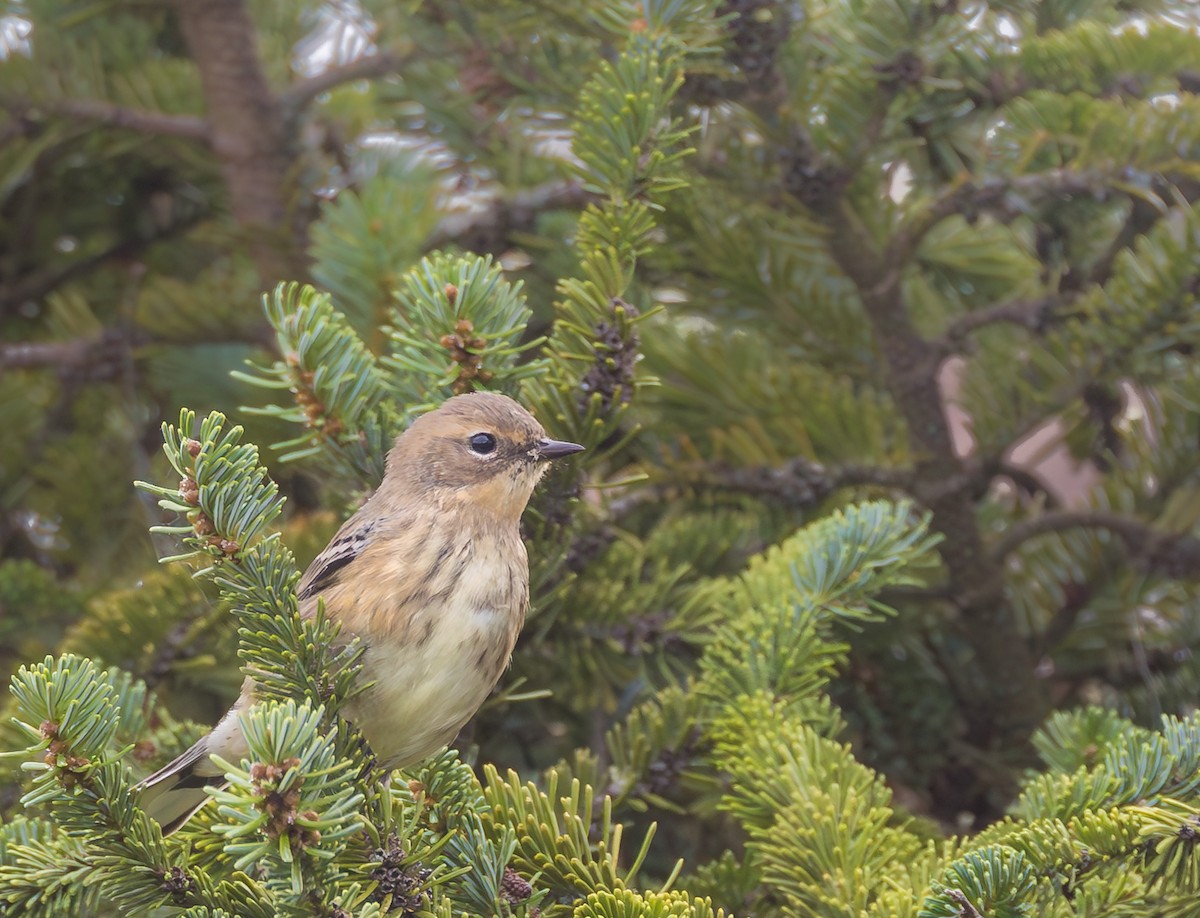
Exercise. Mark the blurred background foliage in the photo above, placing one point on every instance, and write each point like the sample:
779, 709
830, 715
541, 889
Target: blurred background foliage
829, 251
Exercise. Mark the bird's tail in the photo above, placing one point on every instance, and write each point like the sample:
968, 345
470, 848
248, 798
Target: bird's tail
173, 793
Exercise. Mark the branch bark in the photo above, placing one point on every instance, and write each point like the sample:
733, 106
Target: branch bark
1031, 314
369, 66
1173, 555
796, 485
251, 136
98, 357
188, 127
999, 690
966, 197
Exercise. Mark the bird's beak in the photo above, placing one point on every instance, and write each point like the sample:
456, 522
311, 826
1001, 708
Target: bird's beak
556, 449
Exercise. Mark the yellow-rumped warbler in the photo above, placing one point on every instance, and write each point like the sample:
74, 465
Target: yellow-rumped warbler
430, 574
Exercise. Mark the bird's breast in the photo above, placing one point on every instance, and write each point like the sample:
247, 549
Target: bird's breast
442, 648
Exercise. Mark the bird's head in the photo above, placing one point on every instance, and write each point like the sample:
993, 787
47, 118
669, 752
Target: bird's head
482, 447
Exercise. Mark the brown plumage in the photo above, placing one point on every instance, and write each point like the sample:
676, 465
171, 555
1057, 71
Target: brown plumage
430, 574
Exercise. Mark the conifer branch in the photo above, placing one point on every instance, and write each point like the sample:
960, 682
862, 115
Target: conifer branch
376, 64
189, 127
798, 484
112, 346
968, 197
1173, 555
1032, 314
250, 135
1002, 682
802, 483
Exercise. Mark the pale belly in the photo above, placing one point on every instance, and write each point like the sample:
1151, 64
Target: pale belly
424, 692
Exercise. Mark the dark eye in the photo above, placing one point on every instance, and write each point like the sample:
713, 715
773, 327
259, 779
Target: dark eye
482, 443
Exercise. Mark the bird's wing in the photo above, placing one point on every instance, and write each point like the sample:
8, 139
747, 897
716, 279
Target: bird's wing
329, 566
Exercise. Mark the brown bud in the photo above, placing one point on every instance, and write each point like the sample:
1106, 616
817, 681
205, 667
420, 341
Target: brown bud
192, 446
514, 887
189, 491
48, 729
451, 294
228, 546
464, 326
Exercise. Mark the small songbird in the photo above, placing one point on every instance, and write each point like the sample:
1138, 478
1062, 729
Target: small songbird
430, 574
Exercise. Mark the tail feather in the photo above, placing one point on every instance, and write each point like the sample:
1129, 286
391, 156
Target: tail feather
173, 793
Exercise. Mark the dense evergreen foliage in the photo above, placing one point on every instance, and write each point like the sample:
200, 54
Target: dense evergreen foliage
816, 629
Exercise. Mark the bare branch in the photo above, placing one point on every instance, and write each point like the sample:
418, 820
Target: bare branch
969, 198
23, 355
801, 483
189, 127
1031, 314
796, 485
25, 110
253, 139
1172, 555
97, 357
369, 66
1001, 695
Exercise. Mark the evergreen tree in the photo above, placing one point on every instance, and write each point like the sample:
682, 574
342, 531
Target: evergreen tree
788, 634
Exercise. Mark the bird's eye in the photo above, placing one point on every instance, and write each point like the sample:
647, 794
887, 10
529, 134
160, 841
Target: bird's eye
482, 443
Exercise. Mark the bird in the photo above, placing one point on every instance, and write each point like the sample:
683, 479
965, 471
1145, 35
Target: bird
430, 574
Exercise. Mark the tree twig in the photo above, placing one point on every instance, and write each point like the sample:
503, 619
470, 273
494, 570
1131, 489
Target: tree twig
1031, 314
378, 64
1002, 699
967, 197
97, 356
796, 485
190, 127
251, 136
1174, 555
